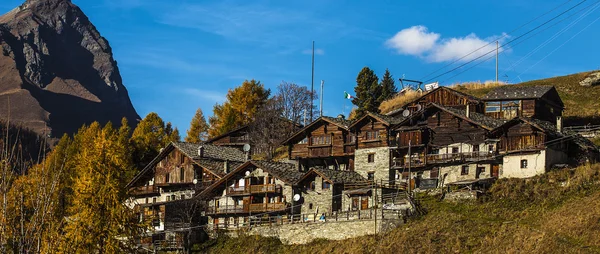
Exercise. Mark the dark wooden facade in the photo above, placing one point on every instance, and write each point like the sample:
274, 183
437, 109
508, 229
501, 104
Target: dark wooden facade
446, 97
370, 132
545, 105
236, 138
518, 135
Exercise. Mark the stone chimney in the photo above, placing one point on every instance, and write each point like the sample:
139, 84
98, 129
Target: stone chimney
559, 124
200, 151
468, 111
226, 166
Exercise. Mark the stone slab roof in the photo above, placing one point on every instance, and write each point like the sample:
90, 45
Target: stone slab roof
481, 119
211, 151
339, 176
509, 92
217, 166
338, 121
286, 172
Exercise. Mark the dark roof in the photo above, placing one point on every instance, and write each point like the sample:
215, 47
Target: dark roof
468, 96
477, 118
211, 151
509, 92
387, 119
546, 126
286, 172
217, 166
341, 122
227, 133
336, 176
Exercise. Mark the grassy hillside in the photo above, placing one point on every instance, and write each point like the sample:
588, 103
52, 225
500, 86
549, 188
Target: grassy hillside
582, 104
554, 213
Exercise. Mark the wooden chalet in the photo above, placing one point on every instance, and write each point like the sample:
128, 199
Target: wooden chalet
175, 175
235, 138
254, 188
539, 102
326, 142
444, 96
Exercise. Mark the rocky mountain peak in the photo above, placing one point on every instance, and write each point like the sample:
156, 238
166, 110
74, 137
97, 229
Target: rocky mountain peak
56, 53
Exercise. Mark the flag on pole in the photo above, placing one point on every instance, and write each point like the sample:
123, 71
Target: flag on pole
348, 96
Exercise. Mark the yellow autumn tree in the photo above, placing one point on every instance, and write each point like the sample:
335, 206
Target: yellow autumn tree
150, 135
240, 107
98, 221
198, 128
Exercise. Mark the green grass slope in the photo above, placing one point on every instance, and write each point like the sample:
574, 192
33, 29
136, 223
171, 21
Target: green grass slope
558, 212
582, 104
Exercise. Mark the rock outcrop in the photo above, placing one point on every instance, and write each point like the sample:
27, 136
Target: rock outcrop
593, 79
56, 71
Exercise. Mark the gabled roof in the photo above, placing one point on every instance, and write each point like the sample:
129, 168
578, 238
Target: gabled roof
385, 119
478, 119
210, 151
227, 133
286, 172
468, 96
545, 126
340, 122
335, 176
509, 92
213, 158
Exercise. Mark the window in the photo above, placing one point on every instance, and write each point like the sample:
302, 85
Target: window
372, 135
371, 157
310, 206
475, 148
173, 197
311, 186
350, 138
355, 202
182, 196
168, 198
491, 148
370, 176
326, 185
304, 141
153, 200
481, 169
181, 174
321, 140
146, 200
454, 149
181, 158
167, 178
434, 173
464, 170
523, 163
492, 106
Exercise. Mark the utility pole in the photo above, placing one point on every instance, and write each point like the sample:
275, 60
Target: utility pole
321, 104
312, 83
409, 164
497, 49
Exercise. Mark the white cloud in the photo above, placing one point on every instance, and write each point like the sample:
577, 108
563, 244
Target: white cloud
418, 41
212, 96
413, 41
317, 52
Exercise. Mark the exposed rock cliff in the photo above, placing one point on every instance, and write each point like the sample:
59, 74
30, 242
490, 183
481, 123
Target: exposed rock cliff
56, 71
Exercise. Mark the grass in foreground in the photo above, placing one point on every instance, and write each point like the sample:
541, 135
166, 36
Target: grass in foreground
555, 213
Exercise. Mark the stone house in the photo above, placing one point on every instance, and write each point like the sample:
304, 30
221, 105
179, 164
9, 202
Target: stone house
324, 191
254, 189
162, 191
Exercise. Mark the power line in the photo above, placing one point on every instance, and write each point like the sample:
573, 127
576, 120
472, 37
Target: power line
503, 36
511, 41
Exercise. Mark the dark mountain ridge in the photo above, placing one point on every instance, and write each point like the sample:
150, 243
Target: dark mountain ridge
56, 71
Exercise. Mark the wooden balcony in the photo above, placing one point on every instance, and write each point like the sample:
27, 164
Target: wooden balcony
267, 207
253, 189
250, 208
431, 159
144, 190
319, 151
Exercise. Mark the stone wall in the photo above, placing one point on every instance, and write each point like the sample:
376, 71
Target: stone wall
536, 165
380, 167
303, 233
454, 173
321, 199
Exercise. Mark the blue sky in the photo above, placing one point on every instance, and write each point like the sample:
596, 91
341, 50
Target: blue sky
176, 56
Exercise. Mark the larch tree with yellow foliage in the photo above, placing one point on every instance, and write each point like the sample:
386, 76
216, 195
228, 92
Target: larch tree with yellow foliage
198, 131
240, 107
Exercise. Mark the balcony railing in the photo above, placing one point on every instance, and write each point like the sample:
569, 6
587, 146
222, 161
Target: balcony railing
254, 208
319, 151
144, 190
267, 207
253, 189
422, 160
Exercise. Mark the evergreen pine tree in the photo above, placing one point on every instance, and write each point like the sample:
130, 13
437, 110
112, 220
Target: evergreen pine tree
367, 92
388, 88
198, 130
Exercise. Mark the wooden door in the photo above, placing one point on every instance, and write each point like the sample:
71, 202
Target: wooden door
364, 203
495, 170
246, 204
